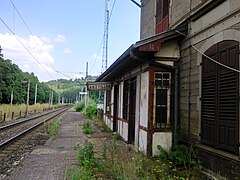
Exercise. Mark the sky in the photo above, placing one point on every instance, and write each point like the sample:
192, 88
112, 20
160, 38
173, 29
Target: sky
58, 37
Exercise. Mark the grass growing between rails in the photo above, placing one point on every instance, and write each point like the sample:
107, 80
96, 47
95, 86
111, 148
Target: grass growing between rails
53, 127
114, 162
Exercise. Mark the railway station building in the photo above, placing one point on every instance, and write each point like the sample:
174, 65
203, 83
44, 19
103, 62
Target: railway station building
180, 82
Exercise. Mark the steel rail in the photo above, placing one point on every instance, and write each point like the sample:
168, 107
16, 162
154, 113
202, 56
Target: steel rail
9, 141
27, 119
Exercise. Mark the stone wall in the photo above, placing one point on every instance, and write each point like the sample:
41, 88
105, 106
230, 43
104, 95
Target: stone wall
147, 18
219, 28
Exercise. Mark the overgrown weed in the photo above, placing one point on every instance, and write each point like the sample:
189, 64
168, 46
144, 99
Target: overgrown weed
124, 164
87, 128
53, 127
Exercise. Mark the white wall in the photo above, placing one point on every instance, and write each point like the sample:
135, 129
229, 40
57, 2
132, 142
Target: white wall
142, 141
164, 139
144, 99
137, 115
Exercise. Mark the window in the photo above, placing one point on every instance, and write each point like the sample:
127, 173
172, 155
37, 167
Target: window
108, 102
162, 99
162, 11
125, 99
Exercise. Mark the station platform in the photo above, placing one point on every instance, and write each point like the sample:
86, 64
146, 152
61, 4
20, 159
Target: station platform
53, 160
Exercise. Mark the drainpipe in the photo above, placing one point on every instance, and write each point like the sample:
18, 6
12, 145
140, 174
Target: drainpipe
176, 96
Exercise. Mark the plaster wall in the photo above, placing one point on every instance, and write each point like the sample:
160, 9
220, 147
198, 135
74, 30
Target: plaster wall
124, 131
120, 107
144, 99
164, 139
143, 141
137, 115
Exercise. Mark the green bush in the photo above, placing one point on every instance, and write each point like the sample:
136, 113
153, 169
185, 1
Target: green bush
80, 106
183, 157
87, 163
87, 128
91, 109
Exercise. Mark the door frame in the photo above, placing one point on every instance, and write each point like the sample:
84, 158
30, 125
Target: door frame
132, 110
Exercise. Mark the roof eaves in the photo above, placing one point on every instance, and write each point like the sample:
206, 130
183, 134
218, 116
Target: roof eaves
120, 60
164, 35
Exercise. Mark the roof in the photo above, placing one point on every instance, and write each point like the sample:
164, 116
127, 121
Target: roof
139, 53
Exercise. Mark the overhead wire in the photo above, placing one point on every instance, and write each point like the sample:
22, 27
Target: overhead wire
103, 37
26, 48
211, 59
30, 32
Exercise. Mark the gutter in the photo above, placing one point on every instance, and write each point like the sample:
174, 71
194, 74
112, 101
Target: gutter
176, 98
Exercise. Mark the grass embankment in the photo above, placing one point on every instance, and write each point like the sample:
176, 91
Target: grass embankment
8, 109
19, 110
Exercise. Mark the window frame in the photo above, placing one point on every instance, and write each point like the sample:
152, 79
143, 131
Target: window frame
161, 15
125, 110
157, 86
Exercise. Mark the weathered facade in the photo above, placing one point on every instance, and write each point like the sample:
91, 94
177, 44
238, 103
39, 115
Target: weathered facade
182, 78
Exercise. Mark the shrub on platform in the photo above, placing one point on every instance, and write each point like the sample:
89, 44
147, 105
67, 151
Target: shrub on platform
91, 109
80, 106
87, 128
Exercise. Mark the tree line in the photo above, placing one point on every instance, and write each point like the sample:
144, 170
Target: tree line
12, 83
12, 80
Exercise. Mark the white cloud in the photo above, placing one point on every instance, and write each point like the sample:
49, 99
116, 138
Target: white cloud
57, 38
67, 51
60, 38
46, 39
39, 49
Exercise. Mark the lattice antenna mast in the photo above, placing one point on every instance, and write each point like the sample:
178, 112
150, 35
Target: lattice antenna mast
1, 55
105, 43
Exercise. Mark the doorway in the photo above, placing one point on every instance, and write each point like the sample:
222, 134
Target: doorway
115, 108
132, 111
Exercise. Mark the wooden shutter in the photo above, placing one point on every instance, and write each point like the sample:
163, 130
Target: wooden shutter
208, 98
162, 12
220, 91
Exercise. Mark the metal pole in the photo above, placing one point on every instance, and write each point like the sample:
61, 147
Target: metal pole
49, 99
11, 97
35, 99
28, 97
52, 98
86, 96
59, 97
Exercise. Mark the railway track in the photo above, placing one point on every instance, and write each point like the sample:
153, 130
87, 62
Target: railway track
19, 138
